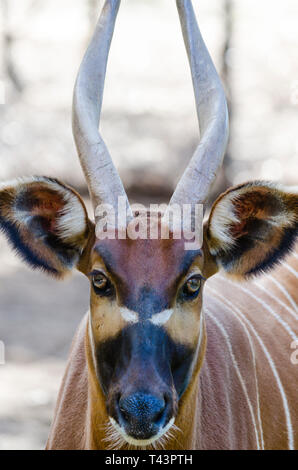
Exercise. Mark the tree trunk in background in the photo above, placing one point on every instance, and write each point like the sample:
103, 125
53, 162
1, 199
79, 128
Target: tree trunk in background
227, 78
225, 180
94, 7
9, 67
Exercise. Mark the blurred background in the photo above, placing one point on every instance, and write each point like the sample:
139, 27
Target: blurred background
149, 123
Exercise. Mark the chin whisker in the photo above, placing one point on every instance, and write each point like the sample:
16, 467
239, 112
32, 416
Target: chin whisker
114, 440
167, 437
172, 434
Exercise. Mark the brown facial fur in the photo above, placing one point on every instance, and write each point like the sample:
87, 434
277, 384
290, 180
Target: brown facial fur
157, 268
148, 275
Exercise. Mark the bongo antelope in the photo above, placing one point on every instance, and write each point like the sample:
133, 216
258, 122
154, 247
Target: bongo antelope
161, 359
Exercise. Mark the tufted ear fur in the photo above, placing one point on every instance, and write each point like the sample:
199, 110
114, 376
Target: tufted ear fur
46, 223
252, 227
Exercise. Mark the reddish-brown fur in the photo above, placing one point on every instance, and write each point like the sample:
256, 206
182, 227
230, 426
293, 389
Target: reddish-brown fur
242, 391
214, 412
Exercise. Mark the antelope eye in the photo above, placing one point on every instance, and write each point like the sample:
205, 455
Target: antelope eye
191, 288
101, 284
99, 281
193, 285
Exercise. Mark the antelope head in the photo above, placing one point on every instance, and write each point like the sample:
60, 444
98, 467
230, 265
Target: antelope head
146, 337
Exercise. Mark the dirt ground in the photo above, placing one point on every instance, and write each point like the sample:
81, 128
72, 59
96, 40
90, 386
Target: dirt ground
38, 318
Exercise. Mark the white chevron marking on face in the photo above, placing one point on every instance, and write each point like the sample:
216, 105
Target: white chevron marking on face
162, 317
157, 319
128, 315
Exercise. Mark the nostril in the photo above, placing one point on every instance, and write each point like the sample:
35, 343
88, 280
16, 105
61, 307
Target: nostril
125, 414
159, 414
124, 408
142, 408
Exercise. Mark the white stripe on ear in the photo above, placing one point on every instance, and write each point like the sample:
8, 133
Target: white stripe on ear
222, 218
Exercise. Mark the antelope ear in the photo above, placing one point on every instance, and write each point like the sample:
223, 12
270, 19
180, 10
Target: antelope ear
252, 227
46, 223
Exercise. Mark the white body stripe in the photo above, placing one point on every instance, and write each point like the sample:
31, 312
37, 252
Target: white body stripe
235, 364
289, 268
284, 291
219, 298
276, 299
267, 307
233, 309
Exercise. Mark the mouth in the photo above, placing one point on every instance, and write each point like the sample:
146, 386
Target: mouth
117, 436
